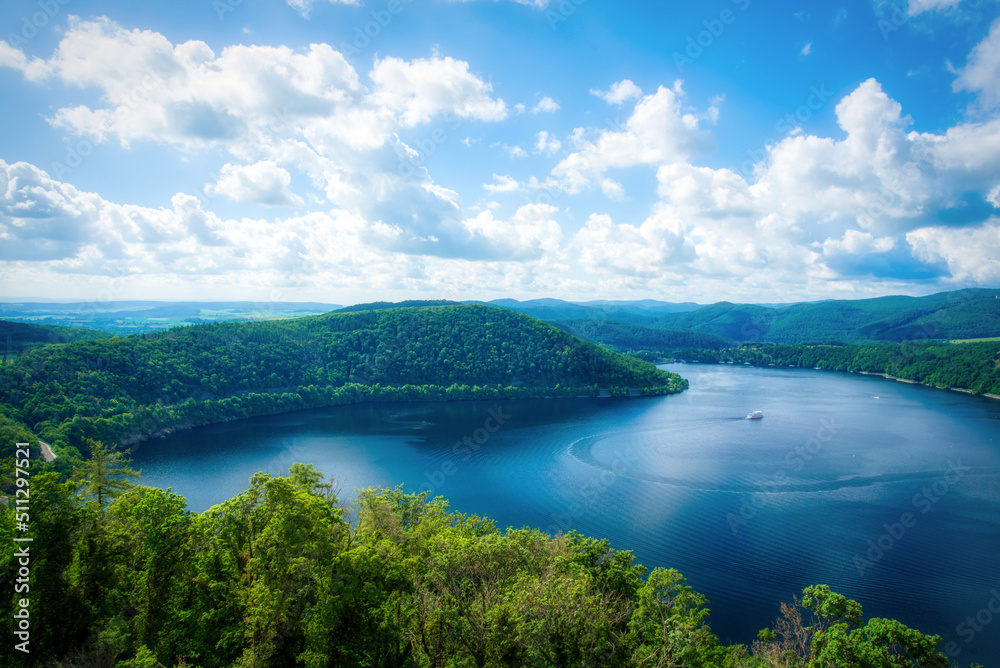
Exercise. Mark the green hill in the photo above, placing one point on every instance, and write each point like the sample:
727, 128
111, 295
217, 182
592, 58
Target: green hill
17, 337
643, 342
971, 367
124, 390
963, 314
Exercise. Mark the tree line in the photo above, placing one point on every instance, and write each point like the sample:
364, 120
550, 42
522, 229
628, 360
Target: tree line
969, 366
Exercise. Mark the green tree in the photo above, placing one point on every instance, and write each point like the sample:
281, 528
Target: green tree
104, 476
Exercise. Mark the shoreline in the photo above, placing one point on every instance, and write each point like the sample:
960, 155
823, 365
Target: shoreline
137, 440
876, 375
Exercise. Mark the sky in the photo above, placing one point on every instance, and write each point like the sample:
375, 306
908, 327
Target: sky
347, 151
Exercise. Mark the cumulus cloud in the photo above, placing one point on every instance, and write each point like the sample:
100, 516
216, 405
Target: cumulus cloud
545, 106
272, 108
423, 88
502, 184
620, 92
547, 143
920, 6
877, 201
49, 229
818, 210
261, 183
658, 131
647, 250
304, 7
981, 73
972, 255
530, 232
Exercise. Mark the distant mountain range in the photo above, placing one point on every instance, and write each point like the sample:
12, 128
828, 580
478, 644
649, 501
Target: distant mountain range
642, 325
963, 314
138, 317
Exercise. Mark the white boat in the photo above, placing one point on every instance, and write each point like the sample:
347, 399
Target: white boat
756, 415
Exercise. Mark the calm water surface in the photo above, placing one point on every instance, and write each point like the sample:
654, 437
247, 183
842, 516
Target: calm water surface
888, 492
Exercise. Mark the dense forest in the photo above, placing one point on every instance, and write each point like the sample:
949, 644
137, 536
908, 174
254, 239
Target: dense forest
973, 366
963, 314
123, 390
643, 342
284, 574
20, 337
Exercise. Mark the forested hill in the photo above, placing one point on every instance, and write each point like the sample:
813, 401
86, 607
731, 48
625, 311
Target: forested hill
123, 390
17, 337
970, 367
963, 314
642, 342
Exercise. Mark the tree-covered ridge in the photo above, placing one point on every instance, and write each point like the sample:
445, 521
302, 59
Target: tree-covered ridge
285, 575
967, 366
122, 390
638, 341
963, 314
18, 337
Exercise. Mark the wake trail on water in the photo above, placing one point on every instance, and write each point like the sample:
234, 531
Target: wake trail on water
582, 450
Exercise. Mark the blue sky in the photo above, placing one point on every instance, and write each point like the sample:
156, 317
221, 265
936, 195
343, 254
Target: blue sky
345, 151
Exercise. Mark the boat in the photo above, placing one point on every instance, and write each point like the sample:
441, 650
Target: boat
756, 415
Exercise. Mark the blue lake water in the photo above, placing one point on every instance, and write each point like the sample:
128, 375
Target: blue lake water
893, 501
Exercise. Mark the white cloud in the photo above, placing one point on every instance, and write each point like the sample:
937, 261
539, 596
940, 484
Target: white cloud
547, 143
304, 7
502, 184
620, 92
647, 250
993, 197
187, 94
972, 254
855, 241
275, 106
423, 88
981, 73
513, 152
534, 4
261, 183
807, 49
817, 211
545, 106
920, 6
529, 233
658, 131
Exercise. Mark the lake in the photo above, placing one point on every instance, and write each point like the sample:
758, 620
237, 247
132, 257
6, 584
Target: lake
889, 492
